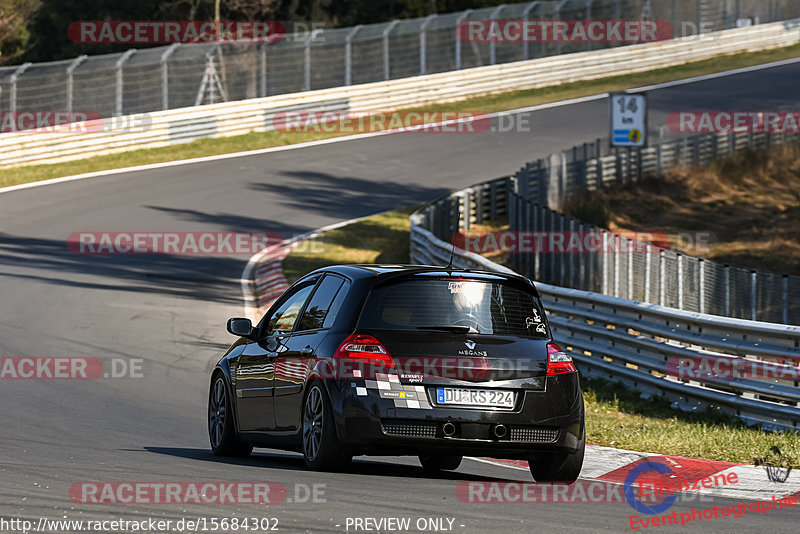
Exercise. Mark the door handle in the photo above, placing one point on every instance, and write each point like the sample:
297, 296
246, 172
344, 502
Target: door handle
306, 351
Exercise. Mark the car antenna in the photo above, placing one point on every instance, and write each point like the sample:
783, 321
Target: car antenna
452, 253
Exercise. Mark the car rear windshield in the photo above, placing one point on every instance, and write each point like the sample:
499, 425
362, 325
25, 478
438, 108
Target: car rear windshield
491, 308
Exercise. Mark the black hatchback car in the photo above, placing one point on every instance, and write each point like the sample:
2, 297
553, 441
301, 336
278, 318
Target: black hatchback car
401, 360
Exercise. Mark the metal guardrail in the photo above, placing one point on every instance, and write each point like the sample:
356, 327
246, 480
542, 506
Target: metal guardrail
175, 76
633, 343
163, 128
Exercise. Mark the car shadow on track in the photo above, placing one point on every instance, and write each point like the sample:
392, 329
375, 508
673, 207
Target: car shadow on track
361, 465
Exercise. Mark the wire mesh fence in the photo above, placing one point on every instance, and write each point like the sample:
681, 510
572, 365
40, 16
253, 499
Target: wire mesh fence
181, 75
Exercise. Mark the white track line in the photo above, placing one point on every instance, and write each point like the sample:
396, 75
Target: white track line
368, 135
495, 463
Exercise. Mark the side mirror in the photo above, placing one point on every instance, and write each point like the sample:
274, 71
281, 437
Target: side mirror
241, 327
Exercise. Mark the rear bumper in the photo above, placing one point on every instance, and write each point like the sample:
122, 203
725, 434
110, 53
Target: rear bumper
542, 421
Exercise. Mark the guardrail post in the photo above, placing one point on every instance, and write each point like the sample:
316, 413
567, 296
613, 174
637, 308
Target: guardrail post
348, 55
459, 36
753, 283
387, 75
307, 57
493, 43
120, 62
680, 281
785, 295
525, 14
12, 105
70, 79
165, 74
423, 43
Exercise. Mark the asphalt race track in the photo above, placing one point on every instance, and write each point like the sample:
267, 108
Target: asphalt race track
170, 312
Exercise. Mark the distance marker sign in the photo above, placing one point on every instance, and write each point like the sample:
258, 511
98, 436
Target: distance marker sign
628, 120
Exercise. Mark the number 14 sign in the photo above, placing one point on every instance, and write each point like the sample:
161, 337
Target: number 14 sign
628, 120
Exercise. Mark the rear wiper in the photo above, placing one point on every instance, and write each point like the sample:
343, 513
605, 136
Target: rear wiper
457, 328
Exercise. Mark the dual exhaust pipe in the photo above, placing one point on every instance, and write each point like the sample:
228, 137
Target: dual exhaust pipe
498, 431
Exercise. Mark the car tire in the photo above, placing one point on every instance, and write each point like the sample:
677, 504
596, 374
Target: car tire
321, 447
437, 462
558, 467
221, 426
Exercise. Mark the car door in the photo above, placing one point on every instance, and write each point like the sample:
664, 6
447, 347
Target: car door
255, 373
293, 364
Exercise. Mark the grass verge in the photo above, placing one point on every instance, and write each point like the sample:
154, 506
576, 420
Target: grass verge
615, 416
485, 104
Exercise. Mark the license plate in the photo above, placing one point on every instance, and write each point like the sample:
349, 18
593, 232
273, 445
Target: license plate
475, 397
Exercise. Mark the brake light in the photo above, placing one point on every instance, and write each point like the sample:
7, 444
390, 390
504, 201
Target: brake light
558, 361
364, 348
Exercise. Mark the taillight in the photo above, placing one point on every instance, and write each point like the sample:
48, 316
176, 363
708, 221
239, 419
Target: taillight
558, 361
364, 348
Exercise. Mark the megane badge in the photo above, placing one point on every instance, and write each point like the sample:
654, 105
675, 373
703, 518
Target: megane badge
470, 344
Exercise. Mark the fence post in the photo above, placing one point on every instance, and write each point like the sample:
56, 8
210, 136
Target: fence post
70, 85
557, 16
263, 65
662, 271
647, 265
785, 291
631, 245
423, 44
13, 81
617, 243
525, 14
604, 266
460, 19
165, 72
753, 282
493, 43
307, 57
701, 285
120, 62
572, 265
680, 281
588, 18
387, 75
348, 55
726, 289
